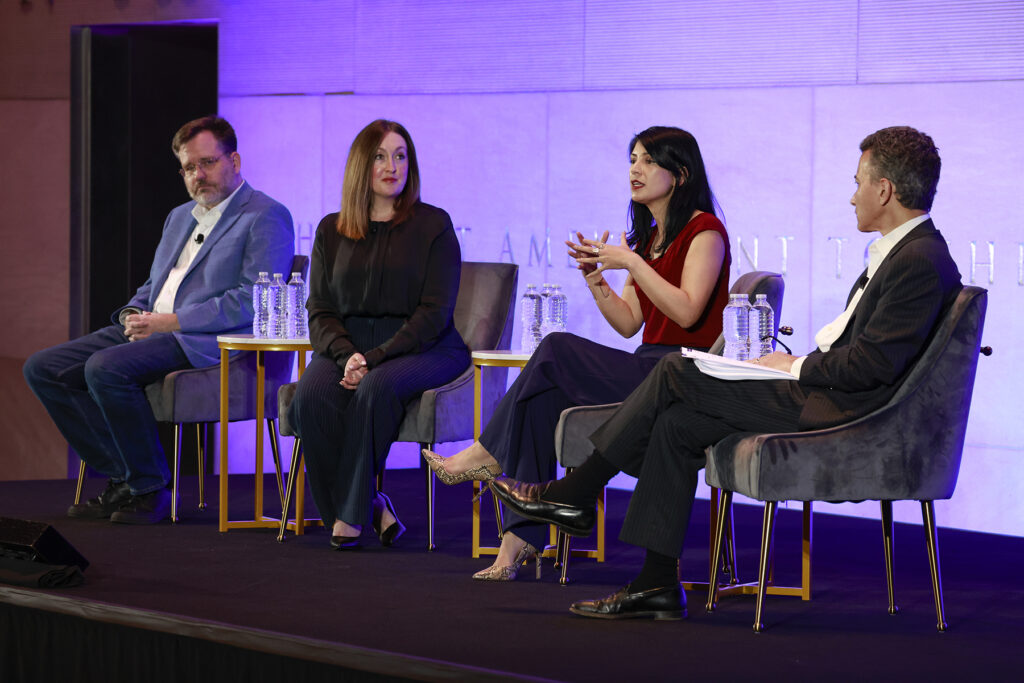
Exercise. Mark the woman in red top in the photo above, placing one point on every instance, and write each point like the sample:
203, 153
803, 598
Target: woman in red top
677, 258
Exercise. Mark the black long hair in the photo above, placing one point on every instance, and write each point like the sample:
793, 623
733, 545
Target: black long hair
676, 151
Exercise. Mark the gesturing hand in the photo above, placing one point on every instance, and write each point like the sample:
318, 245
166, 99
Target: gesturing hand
609, 256
355, 370
580, 250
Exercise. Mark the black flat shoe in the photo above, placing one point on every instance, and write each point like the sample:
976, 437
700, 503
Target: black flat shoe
395, 529
667, 603
149, 508
527, 500
103, 505
344, 542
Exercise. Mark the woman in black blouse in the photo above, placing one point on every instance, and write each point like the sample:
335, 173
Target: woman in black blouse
384, 275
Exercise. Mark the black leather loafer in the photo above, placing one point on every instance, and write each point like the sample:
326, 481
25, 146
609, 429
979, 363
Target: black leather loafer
527, 500
344, 542
103, 505
149, 508
667, 603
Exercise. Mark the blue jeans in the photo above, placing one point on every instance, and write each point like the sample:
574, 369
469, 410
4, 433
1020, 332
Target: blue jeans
94, 389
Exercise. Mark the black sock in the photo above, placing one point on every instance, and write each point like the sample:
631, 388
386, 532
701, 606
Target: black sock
583, 485
658, 571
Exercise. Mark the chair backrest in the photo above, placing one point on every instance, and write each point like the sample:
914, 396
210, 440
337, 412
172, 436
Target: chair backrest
754, 283
300, 264
935, 396
485, 307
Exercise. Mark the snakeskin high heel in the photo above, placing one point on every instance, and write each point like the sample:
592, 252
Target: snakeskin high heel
510, 571
482, 473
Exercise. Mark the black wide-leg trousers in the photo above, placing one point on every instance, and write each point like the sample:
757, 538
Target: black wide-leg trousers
564, 371
346, 434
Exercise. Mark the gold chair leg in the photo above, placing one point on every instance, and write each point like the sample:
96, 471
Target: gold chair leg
724, 502
561, 541
289, 487
201, 461
887, 548
932, 539
81, 480
430, 501
805, 553
275, 450
767, 532
729, 549
497, 516
177, 472
566, 554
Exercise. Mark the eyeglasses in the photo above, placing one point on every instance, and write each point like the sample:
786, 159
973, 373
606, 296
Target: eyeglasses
205, 164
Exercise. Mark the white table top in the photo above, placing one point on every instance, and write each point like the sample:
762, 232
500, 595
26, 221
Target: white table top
501, 354
249, 340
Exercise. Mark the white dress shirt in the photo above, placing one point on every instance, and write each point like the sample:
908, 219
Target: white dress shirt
877, 251
206, 221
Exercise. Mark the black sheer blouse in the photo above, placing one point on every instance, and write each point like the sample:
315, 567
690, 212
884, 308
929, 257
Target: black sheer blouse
389, 294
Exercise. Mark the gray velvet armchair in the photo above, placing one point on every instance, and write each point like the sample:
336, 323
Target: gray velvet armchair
484, 314
909, 449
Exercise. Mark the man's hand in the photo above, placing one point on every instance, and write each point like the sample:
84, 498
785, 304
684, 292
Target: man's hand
776, 360
355, 370
141, 325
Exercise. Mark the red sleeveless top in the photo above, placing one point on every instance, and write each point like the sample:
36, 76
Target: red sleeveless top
658, 328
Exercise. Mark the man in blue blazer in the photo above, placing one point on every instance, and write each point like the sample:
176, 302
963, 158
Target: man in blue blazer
199, 286
660, 431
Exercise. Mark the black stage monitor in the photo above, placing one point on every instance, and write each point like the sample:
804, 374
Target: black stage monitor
37, 542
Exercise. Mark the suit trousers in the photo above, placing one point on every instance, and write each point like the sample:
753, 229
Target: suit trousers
564, 371
660, 432
346, 434
94, 389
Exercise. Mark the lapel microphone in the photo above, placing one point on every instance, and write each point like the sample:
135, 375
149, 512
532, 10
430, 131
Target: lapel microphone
199, 238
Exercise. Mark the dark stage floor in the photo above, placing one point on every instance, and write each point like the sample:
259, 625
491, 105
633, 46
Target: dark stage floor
403, 612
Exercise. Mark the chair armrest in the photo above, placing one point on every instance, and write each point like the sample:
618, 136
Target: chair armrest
572, 434
193, 394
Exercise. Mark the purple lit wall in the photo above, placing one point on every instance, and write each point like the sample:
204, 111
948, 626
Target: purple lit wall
521, 113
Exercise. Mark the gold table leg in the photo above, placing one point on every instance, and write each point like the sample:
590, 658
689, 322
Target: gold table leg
477, 427
223, 479
260, 391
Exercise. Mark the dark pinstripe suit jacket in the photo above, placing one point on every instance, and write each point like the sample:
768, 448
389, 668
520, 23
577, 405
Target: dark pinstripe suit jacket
913, 286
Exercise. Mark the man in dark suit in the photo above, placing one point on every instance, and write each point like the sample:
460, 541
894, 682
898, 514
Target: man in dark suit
660, 432
199, 286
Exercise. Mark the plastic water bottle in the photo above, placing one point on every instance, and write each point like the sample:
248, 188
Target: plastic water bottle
559, 309
735, 324
277, 308
530, 313
762, 324
259, 306
297, 319
545, 310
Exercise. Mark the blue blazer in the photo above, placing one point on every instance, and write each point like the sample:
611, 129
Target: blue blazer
254, 233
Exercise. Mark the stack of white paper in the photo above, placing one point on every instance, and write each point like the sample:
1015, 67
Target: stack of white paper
727, 368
